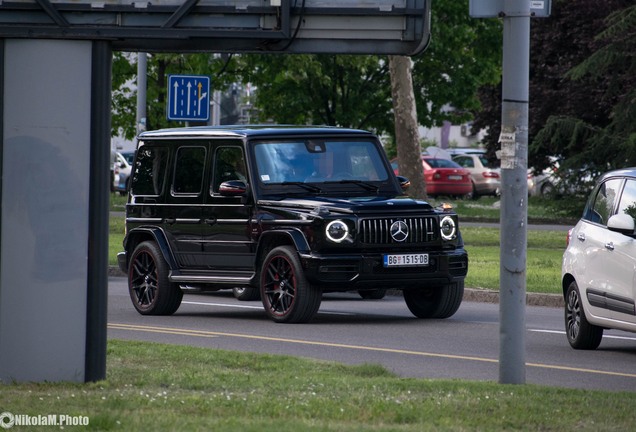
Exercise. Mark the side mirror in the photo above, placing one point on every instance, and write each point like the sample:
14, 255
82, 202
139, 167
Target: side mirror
233, 188
621, 223
404, 182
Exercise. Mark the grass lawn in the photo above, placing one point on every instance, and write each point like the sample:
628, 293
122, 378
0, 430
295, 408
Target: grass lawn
157, 387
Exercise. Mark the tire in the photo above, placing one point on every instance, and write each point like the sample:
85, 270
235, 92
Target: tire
436, 301
286, 294
375, 294
246, 294
547, 189
581, 334
474, 195
150, 290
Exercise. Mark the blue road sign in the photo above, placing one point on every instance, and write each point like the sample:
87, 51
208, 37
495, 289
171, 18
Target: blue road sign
188, 97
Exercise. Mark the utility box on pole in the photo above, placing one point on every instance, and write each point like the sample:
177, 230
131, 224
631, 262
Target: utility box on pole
495, 8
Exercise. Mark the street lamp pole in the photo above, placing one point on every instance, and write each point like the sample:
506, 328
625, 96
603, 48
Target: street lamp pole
514, 193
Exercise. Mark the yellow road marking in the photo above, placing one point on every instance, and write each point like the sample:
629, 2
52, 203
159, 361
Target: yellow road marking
208, 334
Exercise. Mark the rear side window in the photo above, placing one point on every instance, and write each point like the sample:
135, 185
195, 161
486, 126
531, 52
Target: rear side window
604, 202
150, 171
188, 170
466, 162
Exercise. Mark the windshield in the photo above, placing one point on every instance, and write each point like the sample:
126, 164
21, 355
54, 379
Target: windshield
316, 161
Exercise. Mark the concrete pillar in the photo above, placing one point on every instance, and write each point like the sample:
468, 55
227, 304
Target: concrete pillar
53, 221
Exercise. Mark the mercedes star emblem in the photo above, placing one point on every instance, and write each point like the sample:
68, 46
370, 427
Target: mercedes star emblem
399, 231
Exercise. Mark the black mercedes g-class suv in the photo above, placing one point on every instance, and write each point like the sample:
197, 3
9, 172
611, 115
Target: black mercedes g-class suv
284, 214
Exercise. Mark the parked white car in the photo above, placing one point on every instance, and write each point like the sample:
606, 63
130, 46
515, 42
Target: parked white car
599, 263
122, 168
485, 176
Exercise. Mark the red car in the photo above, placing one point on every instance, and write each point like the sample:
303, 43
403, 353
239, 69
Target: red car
443, 177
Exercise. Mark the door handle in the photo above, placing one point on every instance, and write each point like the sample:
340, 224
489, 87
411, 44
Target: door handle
609, 246
210, 221
170, 221
581, 237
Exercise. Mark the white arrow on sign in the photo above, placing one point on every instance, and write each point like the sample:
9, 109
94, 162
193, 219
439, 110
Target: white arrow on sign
189, 88
176, 92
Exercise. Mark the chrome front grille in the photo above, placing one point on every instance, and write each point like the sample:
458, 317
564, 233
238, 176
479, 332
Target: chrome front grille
378, 231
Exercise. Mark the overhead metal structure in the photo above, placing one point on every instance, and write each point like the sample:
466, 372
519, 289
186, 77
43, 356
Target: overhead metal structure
291, 26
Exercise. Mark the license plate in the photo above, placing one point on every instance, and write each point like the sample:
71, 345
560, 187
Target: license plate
406, 260
454, 177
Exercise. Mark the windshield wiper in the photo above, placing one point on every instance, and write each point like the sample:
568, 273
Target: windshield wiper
307, 186
365, 185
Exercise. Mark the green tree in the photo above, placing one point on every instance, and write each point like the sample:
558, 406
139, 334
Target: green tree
582, 85
354, 91
609, 139
464, 54
336, 90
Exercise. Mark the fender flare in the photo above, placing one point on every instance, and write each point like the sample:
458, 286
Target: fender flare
141, 234
296, 236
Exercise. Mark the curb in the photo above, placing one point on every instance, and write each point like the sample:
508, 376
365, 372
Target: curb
532, 299
470, 294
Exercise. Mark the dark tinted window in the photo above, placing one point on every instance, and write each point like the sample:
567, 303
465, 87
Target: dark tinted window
188, 170
229, 164
150, 170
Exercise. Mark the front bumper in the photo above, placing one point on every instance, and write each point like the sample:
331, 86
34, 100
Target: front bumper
348, 272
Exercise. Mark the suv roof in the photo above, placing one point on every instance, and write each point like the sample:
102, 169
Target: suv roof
249, 131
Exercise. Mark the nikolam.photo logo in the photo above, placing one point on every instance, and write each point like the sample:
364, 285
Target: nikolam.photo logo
6, 420
9, 420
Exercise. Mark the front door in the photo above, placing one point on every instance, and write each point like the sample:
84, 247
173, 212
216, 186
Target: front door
227, 240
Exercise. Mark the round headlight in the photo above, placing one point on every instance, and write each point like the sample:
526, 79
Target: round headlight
447, 228
337, 231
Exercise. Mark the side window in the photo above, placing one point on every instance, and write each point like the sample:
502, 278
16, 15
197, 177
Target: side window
188, 170
466, 162
229, 164
628, 199
604, 202
149, 171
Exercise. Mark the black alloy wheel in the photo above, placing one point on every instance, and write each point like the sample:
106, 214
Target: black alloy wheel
581, 334
150, 290
286, 294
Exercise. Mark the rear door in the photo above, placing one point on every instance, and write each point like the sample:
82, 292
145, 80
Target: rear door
183, 212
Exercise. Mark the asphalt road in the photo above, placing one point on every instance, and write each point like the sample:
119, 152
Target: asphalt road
351, 330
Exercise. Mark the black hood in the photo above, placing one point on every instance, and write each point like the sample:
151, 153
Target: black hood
357, 205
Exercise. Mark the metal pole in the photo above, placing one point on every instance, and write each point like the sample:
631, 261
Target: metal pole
514, 196
142, 67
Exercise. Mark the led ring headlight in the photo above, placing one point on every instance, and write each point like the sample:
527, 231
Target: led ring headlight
337, 231
447, 228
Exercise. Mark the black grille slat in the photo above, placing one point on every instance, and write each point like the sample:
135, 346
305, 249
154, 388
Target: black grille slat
378, 230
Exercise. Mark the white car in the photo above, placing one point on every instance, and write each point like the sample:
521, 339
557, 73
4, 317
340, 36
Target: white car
599, 263
485, 176
122, 168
